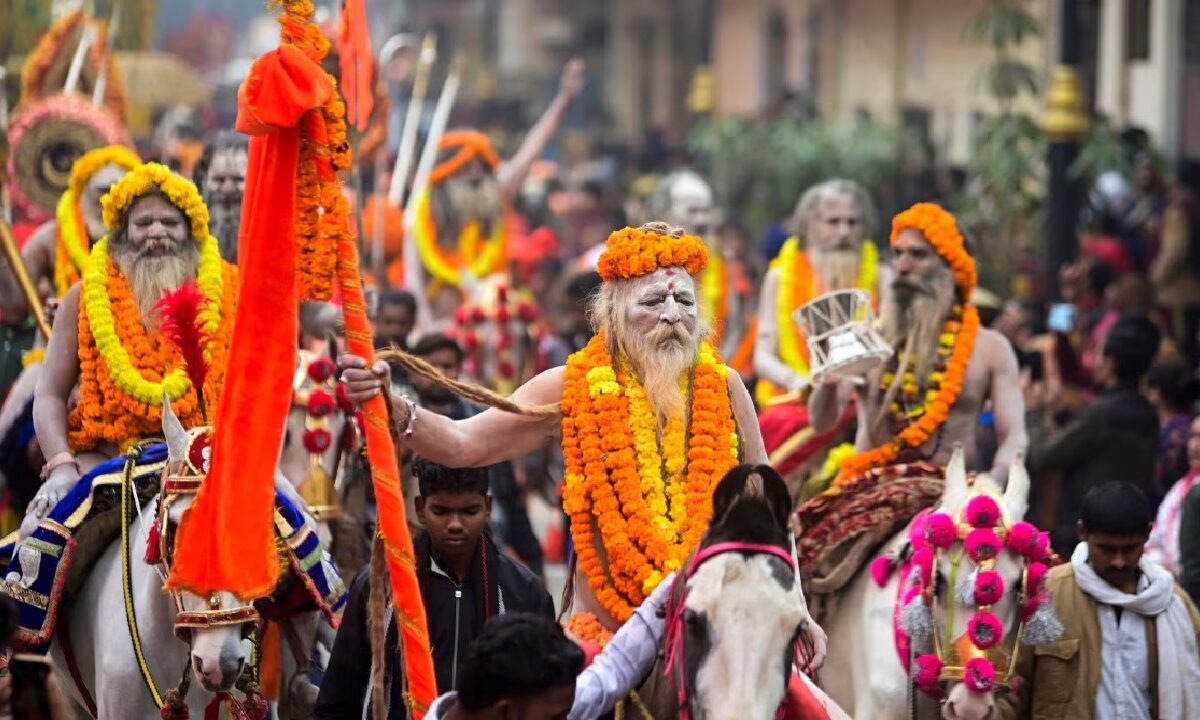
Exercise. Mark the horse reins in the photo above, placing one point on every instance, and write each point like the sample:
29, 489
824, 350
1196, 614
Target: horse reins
675, 665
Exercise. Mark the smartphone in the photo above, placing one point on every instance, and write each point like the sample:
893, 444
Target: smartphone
1061, 317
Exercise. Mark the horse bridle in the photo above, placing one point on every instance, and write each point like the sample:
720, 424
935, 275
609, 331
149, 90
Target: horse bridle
675, 665
173, 488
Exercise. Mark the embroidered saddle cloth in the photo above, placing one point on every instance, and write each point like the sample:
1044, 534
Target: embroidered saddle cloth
47, 568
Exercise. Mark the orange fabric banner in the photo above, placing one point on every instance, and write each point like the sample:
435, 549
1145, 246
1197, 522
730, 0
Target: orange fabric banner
227, 537
356, 63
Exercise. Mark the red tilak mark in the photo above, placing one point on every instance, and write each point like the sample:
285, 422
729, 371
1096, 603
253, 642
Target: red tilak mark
670, 286
670, 273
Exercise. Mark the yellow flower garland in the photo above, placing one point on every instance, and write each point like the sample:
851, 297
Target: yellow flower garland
449, 270
73, 243
797, 285
713, 288
99, 313
183, 194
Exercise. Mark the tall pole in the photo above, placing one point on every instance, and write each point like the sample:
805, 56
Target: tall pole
1065, 124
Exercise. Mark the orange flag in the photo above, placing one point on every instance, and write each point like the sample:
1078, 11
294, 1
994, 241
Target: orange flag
356, 63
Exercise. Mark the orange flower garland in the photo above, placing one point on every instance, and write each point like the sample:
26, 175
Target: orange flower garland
936, 410
584, 627
322, 210
104, 412
603, 489
634, 252
472, 145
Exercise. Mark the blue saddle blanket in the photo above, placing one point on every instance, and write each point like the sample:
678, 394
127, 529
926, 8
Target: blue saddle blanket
43, 571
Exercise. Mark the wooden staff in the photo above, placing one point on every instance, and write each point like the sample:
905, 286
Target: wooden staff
437, 127
17, 263
114, 24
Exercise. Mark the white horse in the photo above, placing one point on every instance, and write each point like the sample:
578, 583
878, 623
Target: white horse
863, 672
101, 636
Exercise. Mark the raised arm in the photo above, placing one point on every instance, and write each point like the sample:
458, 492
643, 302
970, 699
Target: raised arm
488, 438
1008, 404
767, 362
512, 171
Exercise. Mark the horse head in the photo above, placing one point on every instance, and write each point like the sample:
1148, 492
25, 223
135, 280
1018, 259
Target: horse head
732, 632
217, 627
978, 577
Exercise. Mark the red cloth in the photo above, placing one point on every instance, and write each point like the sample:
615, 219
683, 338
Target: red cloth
783, 422
801, 704
226, 539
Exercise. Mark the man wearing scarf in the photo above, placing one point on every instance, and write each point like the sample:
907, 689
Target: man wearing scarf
1129, 647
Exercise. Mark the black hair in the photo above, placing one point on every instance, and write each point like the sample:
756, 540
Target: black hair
581, 287
1116, 508
433, 342
399, 297
1176, 383
435, 478
516, 657
219, 141
1131, 344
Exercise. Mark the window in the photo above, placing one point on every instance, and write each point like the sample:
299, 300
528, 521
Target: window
1137, 30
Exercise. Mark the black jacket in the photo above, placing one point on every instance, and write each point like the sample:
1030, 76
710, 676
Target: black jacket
456, 615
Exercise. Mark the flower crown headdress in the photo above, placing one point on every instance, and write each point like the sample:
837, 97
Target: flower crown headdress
91, 161
634, 252
940, 229
179, 190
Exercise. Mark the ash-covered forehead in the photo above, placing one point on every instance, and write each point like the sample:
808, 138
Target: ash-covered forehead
106, 177
671, 280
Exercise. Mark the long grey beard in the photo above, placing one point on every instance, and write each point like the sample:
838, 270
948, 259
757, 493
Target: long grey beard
226, 224
151, 276
473, 202
915, 328
837, 268
660, 368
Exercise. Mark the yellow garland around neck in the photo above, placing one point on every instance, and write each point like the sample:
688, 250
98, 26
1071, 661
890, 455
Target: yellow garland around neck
480, 263
125, 376
73, 238
796, 273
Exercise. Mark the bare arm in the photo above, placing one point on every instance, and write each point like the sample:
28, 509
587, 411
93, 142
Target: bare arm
1008, 405
827, 403
747, 420
512, 171
767, 362
59, 375
490, 437
37, 256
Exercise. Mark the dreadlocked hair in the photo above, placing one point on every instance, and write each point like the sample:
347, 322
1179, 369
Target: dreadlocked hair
377, 602
416, 366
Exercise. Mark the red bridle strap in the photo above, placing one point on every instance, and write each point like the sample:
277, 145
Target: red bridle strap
675, 609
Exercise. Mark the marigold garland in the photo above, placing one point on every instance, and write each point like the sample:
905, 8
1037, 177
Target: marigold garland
634, 252
449, 267
179, 190
97, 279
106, 413
322, 210
941, 230
73, 246
714, 288
935, 412
614, 483
471, 145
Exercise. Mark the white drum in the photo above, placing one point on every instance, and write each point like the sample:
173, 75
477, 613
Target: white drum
840, 330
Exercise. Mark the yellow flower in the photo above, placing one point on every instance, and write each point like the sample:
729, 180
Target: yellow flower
651, 582
179, 190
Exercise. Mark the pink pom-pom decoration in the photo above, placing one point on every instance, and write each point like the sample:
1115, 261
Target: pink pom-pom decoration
982, 511
1042, 549
923, 561
979, 676
925, 674
317, 440
321, 369
989, 587
982, 544
916, 531
1022, 538
985, 629
882, 569
909, 595
940, 530
1034, 576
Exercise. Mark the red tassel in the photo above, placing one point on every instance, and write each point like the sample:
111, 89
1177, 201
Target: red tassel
154, 544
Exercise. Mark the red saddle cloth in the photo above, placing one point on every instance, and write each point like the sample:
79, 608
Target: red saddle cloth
788, 438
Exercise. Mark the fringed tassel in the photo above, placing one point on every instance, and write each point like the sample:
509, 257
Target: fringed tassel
154, 544
174, 708
917, 621
1043, 626
965, 592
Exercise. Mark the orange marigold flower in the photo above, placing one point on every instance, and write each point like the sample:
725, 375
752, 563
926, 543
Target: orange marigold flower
634, 252
940, 229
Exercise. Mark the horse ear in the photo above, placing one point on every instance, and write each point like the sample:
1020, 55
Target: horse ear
730, 489
956, 491
173, 432
776, 493
1016, 494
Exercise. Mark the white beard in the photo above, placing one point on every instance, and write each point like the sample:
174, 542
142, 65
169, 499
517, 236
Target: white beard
660, 366
150, 276
914, 326
837, 268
